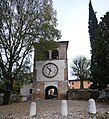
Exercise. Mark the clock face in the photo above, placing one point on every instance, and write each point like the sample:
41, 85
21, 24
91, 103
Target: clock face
50, 70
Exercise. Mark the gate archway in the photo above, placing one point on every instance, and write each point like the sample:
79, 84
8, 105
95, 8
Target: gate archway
51, 92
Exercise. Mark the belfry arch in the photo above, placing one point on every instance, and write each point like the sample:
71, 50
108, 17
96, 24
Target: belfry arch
51, 92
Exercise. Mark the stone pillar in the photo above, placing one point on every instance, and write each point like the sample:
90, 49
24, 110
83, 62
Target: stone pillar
92, 109
64, 109
33, 110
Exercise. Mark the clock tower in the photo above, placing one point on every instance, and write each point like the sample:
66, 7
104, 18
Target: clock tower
51, 73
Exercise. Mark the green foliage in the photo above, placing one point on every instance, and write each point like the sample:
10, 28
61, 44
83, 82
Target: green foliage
99, 39
22, 24
42, 47
93, 25
101, 69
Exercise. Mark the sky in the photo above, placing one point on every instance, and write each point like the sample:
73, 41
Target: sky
72, 16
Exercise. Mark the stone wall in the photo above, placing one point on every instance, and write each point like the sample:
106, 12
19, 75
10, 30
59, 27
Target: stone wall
14, 98
62, 89
82, 94
39, 90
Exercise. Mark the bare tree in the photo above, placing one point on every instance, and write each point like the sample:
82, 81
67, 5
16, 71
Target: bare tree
81, 68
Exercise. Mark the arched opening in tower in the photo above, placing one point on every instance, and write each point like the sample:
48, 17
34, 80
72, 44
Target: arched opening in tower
51, 92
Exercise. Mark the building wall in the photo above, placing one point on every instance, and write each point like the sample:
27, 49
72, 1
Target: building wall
25, 90
59, 77
76, 84
41, 86
62, 52
63, 87
39, 90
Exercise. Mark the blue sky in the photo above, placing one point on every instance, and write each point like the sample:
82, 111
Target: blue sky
72, 16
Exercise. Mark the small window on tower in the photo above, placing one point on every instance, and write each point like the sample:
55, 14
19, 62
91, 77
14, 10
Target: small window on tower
55, 54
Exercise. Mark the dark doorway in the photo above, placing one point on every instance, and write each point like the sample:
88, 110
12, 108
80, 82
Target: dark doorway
51, 92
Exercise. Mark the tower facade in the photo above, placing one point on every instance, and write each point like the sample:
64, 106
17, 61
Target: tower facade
51, 75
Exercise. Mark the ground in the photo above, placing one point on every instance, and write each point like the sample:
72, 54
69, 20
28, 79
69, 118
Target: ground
50, 109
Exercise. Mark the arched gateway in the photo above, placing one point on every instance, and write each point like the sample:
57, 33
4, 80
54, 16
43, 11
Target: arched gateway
51, 92
51, 73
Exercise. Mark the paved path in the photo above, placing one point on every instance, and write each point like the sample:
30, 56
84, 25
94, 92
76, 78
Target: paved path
49, 109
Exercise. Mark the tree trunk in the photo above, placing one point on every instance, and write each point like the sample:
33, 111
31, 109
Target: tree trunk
81, 84
7, 93
6, 98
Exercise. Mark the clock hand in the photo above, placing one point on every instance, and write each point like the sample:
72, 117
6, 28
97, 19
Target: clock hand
49, 69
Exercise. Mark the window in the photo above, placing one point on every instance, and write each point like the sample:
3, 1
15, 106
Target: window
31, 90
72, 82
55, 54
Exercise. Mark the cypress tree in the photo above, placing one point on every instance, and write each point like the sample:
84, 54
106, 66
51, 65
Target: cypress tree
93, 24
102, 52
99, 40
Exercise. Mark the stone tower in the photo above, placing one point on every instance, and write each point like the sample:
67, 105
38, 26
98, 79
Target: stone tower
51, 75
